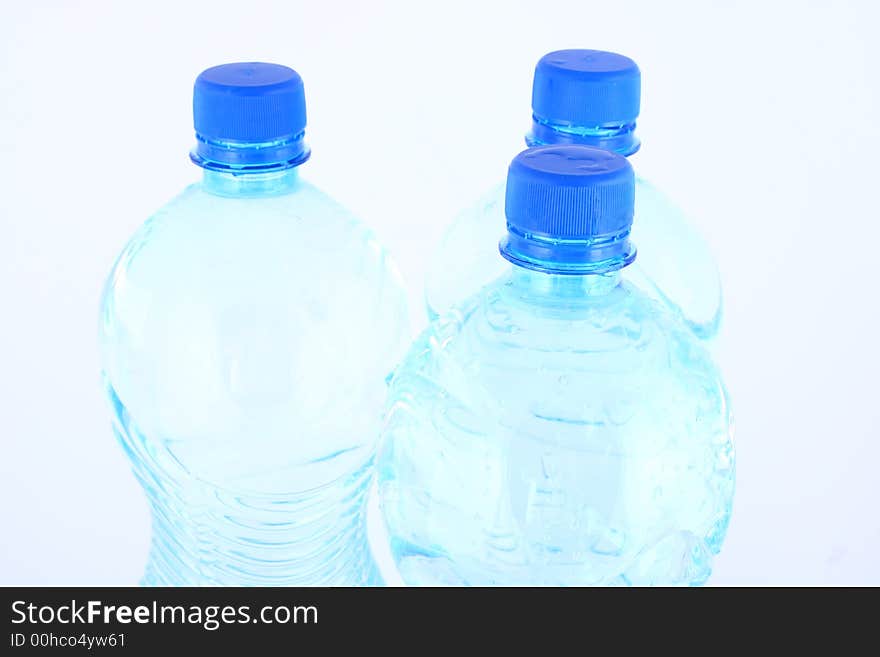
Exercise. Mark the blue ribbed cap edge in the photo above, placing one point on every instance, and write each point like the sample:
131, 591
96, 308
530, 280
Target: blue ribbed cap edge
569, 206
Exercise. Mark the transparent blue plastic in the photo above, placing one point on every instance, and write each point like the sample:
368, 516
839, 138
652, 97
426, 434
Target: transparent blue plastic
556, 430
675, 266
247, 331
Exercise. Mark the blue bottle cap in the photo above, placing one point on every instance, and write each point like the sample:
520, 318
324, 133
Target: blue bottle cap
569, 210
249, 115
588, 97
587, 88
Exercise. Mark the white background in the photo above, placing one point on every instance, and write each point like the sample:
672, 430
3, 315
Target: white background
761, 118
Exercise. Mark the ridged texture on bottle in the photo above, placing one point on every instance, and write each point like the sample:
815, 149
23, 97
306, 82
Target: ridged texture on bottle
249, 102
569, 212
209, 536
569, 192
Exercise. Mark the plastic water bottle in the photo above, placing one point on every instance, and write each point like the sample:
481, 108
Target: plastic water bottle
560, 427
247, 330
587, 97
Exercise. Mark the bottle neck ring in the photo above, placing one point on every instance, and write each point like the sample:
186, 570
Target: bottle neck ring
247, 157
620, 139
573, 257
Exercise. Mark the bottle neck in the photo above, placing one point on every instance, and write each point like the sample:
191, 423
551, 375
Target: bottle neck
573, 257
539, 285
250, 169
250, 185
619, 139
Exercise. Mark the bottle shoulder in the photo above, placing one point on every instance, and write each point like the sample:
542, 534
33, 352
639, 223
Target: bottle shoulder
617, 346
236, 318
199, 234
202, 211
240, 270
618, 316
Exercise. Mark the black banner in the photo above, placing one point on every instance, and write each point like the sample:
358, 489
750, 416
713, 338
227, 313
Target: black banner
134, 620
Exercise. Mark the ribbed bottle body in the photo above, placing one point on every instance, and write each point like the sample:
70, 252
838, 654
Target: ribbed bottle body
246, 338
557, 430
